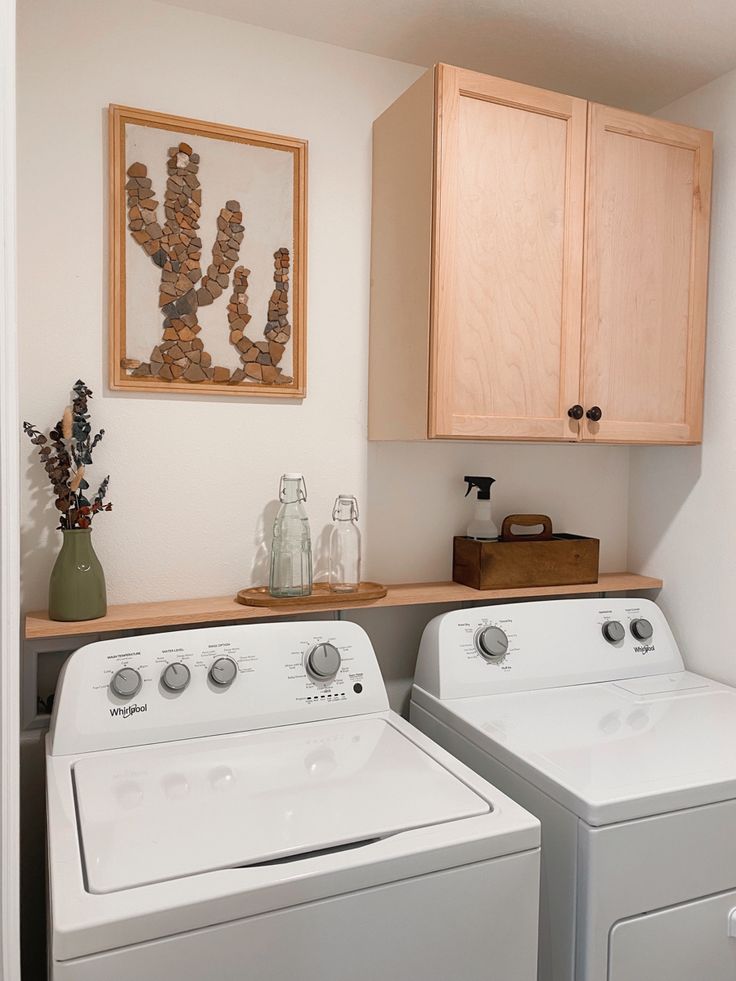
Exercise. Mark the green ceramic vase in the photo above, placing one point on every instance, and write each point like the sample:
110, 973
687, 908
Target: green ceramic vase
77, 588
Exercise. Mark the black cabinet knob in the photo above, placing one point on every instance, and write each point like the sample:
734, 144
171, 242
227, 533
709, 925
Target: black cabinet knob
594, 414
576, 412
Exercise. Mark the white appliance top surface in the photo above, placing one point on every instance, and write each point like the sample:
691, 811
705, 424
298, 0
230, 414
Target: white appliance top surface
613, 751
169, 811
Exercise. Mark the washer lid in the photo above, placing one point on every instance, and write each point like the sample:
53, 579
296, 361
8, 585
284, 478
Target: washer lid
174, 810
615, 751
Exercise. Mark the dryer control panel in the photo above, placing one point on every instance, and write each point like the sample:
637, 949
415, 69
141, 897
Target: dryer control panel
549, 644
189, 683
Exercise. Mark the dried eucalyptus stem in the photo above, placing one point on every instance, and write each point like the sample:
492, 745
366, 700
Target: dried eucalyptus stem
65, 454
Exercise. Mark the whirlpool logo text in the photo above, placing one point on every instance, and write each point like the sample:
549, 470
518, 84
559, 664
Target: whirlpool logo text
644, 649
125, 711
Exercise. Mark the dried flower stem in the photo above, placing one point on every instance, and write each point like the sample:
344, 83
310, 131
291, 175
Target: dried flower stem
65, 454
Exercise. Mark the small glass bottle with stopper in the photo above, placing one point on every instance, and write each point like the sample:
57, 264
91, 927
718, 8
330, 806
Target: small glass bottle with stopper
345, 546
291, 549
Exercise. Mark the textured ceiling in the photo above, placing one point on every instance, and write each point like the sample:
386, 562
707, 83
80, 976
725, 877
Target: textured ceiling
631, 53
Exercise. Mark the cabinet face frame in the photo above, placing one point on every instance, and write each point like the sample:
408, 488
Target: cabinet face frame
453, 84
603, 121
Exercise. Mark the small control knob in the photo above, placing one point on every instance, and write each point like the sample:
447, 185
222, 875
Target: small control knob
223, 671
492, 643
126, 682
642, 629
613, 631
175, 676
323, 662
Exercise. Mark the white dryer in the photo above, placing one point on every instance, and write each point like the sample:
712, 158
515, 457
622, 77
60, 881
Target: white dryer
239, 802
581, 710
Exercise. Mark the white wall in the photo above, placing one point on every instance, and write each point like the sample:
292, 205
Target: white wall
682, 517
9, 510
192, 478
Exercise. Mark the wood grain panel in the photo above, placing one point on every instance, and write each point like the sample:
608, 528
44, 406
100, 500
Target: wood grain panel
509, 256
644, 309
401, 241
225, 609
508, 260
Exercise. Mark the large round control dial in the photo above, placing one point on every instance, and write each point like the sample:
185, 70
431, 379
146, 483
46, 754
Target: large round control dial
175, 676
126, 682
323, 662
223, 672
492, 643
642, 629
613, 631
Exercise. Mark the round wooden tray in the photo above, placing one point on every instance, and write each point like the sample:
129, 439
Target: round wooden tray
320, 596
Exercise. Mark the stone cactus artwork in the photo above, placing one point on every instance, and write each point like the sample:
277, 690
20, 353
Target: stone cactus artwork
201, 257
176, 248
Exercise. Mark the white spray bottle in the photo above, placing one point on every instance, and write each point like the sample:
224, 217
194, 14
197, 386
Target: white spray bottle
482, 526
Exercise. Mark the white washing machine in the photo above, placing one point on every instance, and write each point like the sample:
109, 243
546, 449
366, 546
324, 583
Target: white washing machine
581, 710
240, 802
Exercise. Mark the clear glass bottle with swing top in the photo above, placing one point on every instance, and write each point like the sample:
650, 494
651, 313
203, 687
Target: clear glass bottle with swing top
345, 546
291, 549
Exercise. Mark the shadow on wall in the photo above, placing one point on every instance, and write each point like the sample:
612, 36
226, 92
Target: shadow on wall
39, 540
662, 480
553, 54
415, 500
262, 538
33, 855
321, 554
395, 634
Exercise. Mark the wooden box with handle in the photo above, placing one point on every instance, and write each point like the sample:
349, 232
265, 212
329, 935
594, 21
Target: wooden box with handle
544, 558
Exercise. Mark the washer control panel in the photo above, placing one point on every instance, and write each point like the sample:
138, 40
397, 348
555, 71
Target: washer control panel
525, 646
189, 683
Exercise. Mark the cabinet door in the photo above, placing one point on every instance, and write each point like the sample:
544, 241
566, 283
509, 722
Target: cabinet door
507, 269
681, 943
645, 278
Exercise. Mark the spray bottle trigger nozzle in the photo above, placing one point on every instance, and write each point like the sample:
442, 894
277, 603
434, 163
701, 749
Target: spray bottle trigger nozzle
483, 485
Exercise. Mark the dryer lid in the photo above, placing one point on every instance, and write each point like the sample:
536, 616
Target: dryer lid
615, 751
173, 810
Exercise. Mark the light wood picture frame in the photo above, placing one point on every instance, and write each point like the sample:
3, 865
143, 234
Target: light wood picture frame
208, 257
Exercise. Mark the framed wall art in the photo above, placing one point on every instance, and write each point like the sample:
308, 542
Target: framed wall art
207, 257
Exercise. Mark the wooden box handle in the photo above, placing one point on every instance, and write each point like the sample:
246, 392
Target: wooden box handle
527, 520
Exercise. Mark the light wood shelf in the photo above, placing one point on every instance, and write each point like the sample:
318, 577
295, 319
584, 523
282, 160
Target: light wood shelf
224, 609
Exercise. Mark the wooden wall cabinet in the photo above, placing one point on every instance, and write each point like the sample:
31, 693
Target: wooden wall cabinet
533, 253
